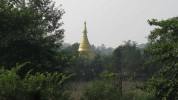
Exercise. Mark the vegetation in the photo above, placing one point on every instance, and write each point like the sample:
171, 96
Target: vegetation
128, 58
163, 50
40, 86
105, 89
136, 96
30, 31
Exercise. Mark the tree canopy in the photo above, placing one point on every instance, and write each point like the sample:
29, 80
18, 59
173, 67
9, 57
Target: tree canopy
163, 50
30, 31
128, 58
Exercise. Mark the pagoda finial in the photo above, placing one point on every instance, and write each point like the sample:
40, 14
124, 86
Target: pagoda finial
85, 28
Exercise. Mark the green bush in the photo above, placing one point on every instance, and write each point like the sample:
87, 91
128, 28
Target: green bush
99, 90
104, 89
40, 86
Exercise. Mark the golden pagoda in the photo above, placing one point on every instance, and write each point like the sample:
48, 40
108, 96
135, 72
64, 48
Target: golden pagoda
85, 49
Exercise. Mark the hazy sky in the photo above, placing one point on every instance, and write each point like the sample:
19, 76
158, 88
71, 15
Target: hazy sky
111, 22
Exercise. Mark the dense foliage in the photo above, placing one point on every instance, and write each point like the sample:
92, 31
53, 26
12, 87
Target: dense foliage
88, 70
163, 50
104, 89
129, 58
30, 32
40, 86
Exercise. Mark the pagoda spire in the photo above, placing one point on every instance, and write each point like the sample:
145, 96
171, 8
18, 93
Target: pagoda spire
85, 45
85, 28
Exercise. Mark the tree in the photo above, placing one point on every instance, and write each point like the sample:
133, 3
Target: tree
87, 70
163, 50
30, 32
128, 57
127, 60
102, 50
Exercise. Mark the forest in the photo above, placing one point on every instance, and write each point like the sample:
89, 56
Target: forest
36, 64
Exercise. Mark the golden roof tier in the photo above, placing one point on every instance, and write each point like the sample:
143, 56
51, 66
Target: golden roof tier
85, 46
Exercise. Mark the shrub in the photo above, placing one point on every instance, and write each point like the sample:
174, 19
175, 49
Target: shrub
39, 86
104, 89
99, 90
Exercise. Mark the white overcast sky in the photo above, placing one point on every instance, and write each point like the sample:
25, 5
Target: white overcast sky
111, 22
